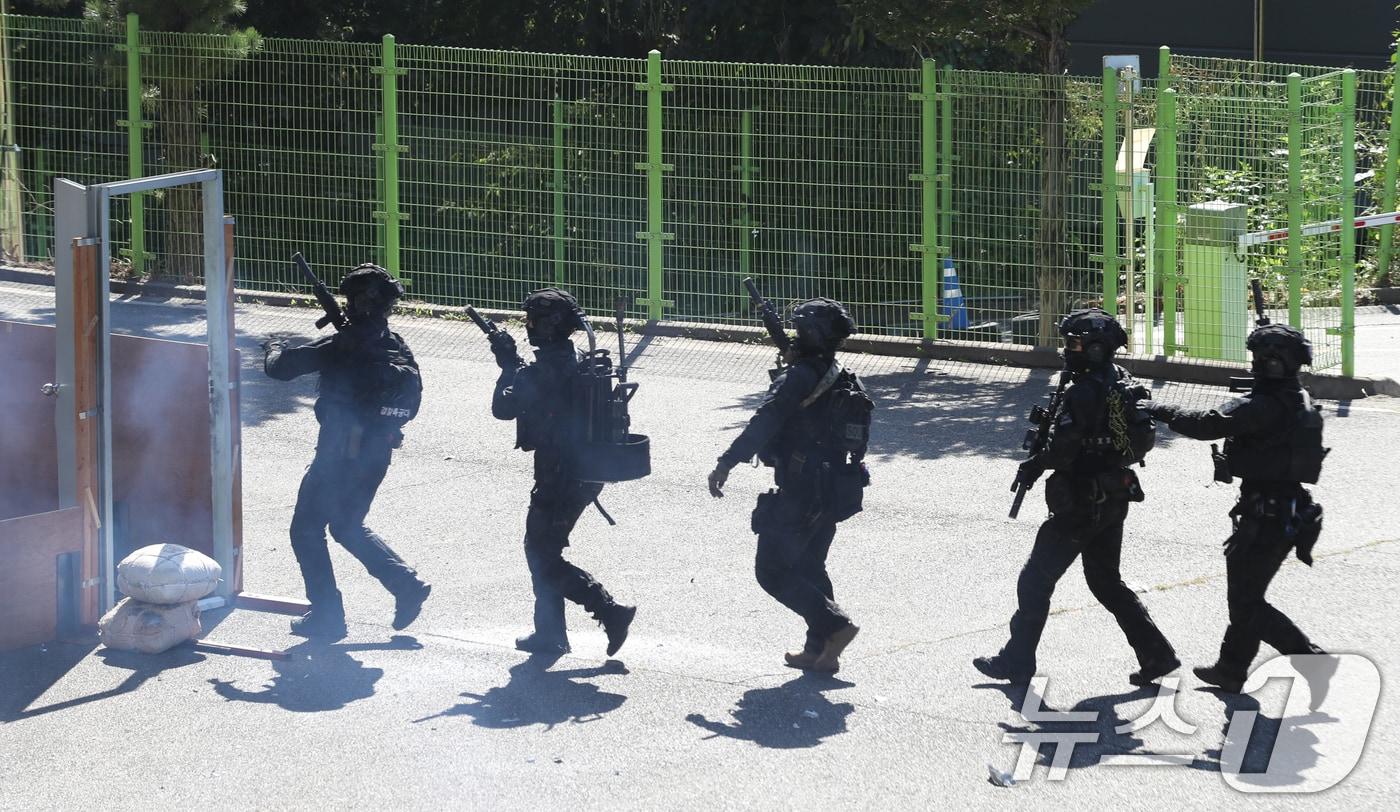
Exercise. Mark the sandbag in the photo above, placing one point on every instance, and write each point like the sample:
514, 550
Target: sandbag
149, 628
167, 574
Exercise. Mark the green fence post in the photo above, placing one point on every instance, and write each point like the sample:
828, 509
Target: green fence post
1295, 199
1109, 202
379, 222
558, 183
1348, 248
746, 173
927, 178
654, 167
945, 162
134, 126
389, 150
1166, 214
1392, 157
11, 196
43, 222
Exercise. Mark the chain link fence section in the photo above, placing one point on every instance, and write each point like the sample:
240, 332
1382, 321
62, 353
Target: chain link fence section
477, 176
293, 124
800, 177
1024, 215
67, 92
519, 172
1271, 138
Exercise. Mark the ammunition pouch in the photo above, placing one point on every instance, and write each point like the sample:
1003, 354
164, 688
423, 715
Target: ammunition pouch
1059, 494
1120, 485
843, 489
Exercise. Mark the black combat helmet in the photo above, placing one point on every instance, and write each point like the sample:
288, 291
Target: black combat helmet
821, 324
1091, 337
369, 290
551, 315
1279, 350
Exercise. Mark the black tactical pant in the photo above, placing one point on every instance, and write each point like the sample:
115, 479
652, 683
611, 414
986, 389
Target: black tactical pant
555, 506
1257, 549
794, 538
1094, 534
337, 491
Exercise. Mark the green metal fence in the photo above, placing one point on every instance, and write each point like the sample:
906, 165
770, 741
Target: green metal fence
478, 175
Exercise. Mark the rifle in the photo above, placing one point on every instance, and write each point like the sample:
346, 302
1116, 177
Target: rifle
772, 322
1037, 439
324, 297
487, 327
1241, 384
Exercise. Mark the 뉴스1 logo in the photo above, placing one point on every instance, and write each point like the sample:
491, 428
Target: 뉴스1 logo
1321, 728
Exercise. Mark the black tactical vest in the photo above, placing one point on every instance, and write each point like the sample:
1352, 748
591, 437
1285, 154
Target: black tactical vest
1293, 454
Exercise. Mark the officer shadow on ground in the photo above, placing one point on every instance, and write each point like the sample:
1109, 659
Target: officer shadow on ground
25, 675
794, 714
929, 411
318, 676
1265, 751
535, 695
1098, 731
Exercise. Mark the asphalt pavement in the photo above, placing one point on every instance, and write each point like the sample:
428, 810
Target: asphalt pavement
697, 711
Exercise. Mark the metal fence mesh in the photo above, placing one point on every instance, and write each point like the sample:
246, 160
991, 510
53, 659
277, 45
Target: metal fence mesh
480, 175
69, 93
799, 177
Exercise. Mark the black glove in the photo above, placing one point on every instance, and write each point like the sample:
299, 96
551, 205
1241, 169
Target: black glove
503, 347
1161, 411
1029, 471
718, 477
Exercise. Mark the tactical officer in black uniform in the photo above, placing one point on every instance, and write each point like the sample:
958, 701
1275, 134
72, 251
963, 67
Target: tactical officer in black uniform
1274, 445
538, 397
369, 387
1098, 432
812, 429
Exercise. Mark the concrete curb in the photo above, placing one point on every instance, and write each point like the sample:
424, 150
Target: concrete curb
1330, 387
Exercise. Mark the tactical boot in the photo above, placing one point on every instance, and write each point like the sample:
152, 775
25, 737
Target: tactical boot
408, 602
616, 620
322, 623
1154, 669
997, 667
829, 659
539, 643
1219, 676
804, 659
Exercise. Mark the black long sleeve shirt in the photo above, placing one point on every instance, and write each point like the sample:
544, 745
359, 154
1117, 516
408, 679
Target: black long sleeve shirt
775, 417
537, 397
355, 366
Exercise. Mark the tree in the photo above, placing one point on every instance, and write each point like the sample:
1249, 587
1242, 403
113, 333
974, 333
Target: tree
174, 95
1033, 26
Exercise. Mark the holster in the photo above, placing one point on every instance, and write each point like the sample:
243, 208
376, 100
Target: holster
1222, 465
762, 517
1254, 509
1305, 529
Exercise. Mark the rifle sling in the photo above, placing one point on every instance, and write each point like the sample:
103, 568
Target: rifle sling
832, 373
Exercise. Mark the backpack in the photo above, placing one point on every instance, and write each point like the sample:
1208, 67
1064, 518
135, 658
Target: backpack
1131, 430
